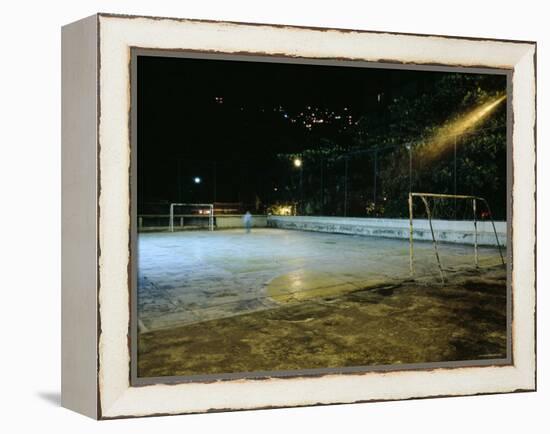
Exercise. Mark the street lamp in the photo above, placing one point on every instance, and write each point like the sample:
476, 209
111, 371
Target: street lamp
297, 162
197, 180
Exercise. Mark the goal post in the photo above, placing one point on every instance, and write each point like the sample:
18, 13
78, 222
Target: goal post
203, 210
474, 206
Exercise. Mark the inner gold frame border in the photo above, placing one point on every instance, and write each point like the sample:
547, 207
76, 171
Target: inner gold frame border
133, 332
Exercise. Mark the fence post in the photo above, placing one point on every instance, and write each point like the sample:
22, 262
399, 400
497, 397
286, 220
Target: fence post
171, 224
346, 187
476, 259
375, 175
411, 251
454, 176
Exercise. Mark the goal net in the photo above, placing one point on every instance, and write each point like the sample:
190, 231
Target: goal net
450, 220
191, 216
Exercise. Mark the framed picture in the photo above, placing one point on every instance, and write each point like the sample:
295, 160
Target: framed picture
261, 216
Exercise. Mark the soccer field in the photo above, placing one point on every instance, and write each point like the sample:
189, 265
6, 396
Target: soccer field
193, 276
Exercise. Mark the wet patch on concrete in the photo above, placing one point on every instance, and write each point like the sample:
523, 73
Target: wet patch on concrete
304, 284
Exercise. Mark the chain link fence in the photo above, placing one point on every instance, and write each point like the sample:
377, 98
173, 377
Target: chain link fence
375, 182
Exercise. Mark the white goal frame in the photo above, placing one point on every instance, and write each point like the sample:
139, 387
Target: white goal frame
202, 205
474, 200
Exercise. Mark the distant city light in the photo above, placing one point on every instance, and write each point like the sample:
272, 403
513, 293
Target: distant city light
197, 180
309, 118
297, 162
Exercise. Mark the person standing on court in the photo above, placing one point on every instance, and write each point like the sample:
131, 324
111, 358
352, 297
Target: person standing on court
247, 219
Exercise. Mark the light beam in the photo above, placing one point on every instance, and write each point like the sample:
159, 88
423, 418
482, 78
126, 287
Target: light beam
444, 137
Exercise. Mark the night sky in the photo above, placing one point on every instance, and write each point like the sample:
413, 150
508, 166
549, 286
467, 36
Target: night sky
225, 121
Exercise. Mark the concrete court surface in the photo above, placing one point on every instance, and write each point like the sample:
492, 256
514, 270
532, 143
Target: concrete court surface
194, 276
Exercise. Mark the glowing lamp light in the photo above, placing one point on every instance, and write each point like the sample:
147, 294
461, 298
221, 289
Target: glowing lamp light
197, 180
297, 162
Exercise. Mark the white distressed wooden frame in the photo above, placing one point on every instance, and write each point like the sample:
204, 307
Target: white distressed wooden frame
96, 217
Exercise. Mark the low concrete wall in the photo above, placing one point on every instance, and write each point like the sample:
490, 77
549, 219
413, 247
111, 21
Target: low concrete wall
236, 221
223, 221
451, 231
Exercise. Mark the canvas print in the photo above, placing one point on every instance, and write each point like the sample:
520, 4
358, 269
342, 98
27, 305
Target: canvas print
297, 218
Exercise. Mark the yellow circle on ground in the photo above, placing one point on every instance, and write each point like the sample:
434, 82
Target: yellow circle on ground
306, 284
